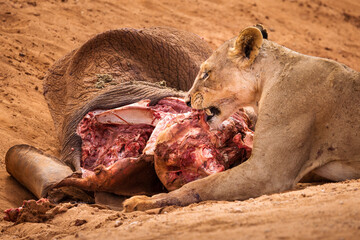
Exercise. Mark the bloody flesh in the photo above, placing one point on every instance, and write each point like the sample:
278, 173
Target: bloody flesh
107, 143
184, 147
188, 150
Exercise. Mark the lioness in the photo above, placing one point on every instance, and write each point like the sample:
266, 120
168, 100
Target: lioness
308, 119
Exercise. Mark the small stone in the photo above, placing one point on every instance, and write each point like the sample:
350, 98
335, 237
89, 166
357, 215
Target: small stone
236, 210
80, 222
118, 223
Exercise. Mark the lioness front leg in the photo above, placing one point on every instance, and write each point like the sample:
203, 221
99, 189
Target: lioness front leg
280, 158
233, 184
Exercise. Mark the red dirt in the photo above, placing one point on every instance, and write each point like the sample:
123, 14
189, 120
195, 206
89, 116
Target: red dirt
35, 33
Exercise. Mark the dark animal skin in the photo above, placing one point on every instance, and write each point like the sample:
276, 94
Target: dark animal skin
136, 60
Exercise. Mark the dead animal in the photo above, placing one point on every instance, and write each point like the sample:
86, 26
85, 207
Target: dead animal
133, 136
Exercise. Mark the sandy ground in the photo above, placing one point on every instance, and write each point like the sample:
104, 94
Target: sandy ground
33, 34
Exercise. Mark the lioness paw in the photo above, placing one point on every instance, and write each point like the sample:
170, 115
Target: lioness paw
139, 203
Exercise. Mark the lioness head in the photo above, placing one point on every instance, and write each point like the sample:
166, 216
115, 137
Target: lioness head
225, 83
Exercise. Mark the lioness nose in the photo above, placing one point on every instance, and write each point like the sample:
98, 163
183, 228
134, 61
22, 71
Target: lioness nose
188, 101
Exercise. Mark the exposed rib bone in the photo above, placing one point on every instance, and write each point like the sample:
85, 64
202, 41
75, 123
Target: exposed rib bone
130, 114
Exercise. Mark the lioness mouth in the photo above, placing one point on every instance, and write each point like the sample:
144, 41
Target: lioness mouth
211, 112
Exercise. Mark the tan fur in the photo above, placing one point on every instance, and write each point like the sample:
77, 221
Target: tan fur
308, 120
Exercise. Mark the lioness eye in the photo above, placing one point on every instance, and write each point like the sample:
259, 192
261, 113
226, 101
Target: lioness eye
205, 75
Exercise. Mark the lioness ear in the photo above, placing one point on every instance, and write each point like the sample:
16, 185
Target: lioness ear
247, 44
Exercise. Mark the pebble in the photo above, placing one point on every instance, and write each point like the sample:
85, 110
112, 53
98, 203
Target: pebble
118, 223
